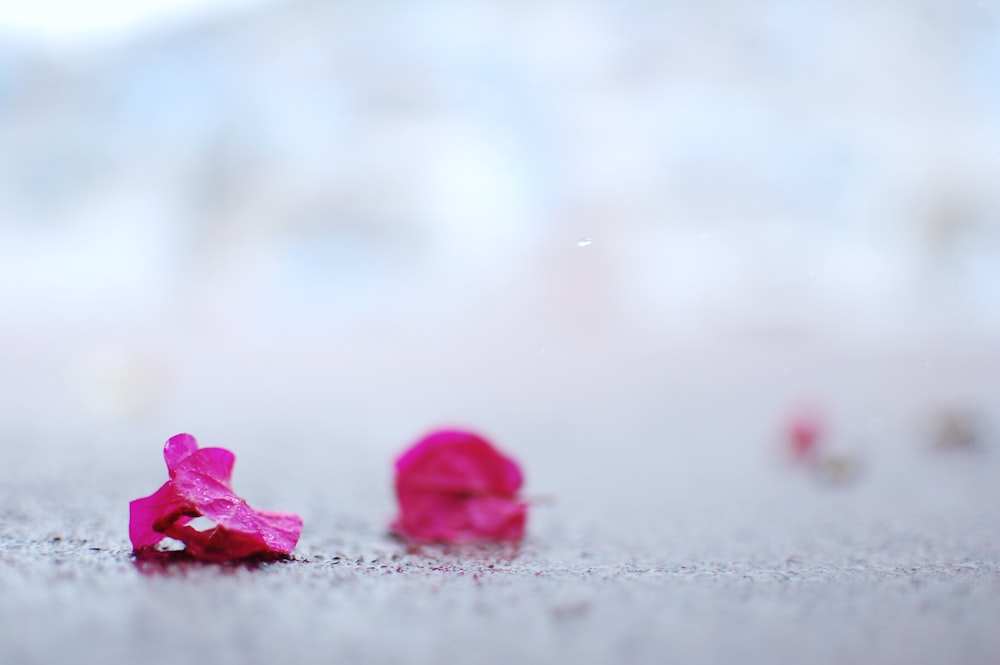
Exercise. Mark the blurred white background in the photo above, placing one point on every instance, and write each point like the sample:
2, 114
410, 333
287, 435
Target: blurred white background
367, 212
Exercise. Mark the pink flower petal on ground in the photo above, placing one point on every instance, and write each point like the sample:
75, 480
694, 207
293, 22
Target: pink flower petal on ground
177, 448
804, 433
455, 487
200, 486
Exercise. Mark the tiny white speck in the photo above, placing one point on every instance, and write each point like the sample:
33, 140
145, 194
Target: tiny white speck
584, 242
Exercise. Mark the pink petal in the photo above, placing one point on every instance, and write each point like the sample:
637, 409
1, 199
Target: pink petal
211, 463
451, 460
200, 486
144, 513
804, 433
454, 486
177, 449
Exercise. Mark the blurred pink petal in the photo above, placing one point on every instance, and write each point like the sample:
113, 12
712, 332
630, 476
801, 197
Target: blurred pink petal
454, 486
199, 486
804, 432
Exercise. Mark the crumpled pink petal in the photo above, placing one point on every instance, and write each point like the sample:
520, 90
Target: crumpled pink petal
455, 487
200, 486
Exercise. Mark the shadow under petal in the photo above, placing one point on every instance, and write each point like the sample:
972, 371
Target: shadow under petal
153, 562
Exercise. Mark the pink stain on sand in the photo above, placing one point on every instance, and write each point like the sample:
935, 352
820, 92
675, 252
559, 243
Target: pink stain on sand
200, 486
455, 487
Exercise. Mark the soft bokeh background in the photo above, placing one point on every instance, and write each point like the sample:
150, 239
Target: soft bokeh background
590, 229
629, 241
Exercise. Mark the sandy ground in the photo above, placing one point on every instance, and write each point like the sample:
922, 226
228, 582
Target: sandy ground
668, 527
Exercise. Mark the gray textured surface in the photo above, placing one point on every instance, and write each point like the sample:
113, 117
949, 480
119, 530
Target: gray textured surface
667, 529
806, 574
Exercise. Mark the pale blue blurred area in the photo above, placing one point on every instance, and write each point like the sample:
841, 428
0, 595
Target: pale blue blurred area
339, 179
